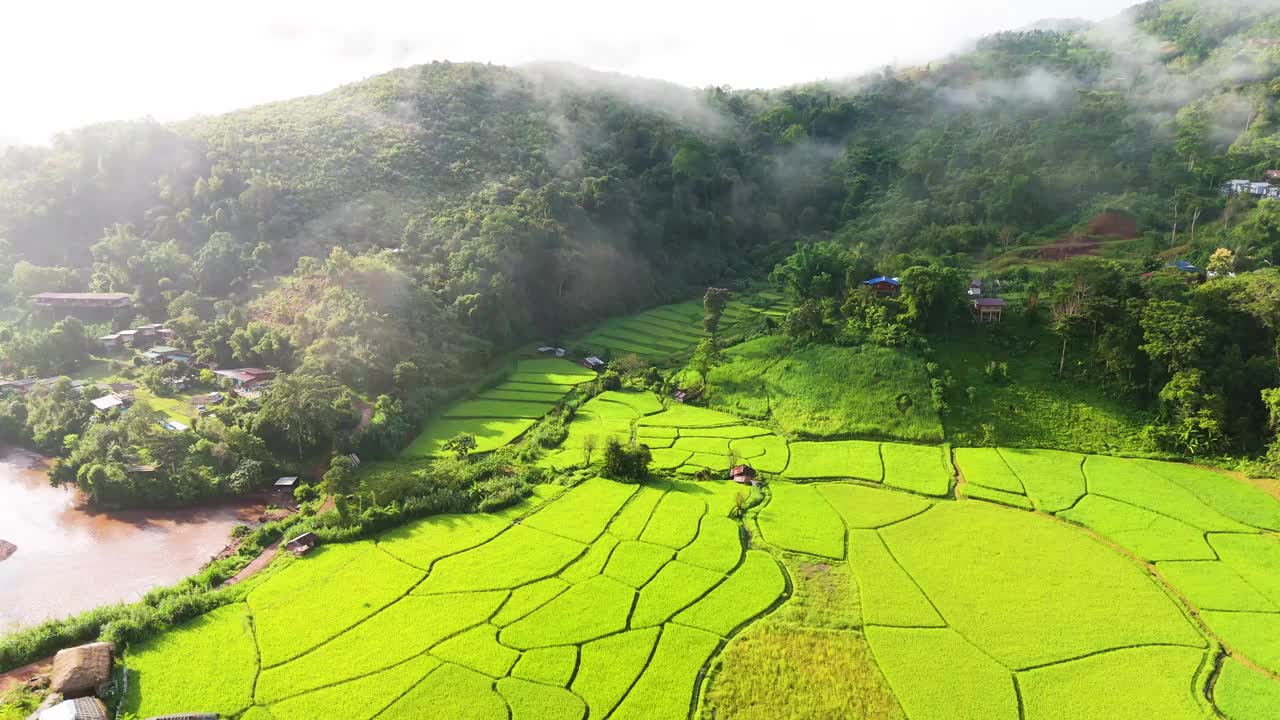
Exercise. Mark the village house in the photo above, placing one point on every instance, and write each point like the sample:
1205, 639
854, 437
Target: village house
111, 400
63, 300
83, 671
244, 378
884, 285
161, 354
85, 708
743, 474
988, 309
286, 484
302, 544
593, 363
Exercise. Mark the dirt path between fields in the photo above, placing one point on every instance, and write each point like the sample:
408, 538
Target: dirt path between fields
20, 675
264, 559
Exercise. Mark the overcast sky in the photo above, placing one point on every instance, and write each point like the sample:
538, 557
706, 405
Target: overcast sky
68, 63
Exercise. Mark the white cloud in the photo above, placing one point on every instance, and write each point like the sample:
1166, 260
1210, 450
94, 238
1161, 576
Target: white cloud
65, 63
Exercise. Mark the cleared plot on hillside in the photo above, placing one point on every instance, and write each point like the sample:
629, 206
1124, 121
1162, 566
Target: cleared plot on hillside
794, 387
1130, 482
979, 492
924, 469
289, 626
798, 518
589, 610
635, 563
688, 416
837, 459
609, 666
1150, 682
548, 665
674, 522
781, 671
531, 701
676, 586
379, 642
1213, 585
665, 689
516, 557
1245, 694
718, 545
479, 650
748, 591
1254, 635
1075, 596
1255, 558
767, 453
1052, 478
938, 675
631, 519
527, 598
642, 403
1235, 499
490, 434
497, 409
450, 691
867, 508
174, 668
584, 511
423, 542
358, 699
985, 467
1147, 534
889, 595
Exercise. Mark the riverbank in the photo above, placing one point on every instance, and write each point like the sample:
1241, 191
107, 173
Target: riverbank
68, 558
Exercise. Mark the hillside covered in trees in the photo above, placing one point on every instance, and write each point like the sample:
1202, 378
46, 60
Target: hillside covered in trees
396, 234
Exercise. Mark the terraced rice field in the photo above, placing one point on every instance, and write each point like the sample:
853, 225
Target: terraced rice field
477, 617
673, 330
1053, 586
502, 413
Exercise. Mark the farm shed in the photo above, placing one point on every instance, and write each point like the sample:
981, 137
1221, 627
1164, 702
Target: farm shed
884, 285
286, 484
88, 708
593, 363
106, 402
82, 300
82, 671
988, 309
744, 474
303, 543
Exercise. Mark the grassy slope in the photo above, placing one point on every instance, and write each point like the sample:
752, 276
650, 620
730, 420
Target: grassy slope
1035, 408
824, 391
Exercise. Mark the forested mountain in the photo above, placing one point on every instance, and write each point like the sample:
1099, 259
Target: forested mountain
399, 230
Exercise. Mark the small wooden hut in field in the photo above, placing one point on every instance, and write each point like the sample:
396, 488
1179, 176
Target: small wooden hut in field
743, 474
83, 671
302, 544
88, 708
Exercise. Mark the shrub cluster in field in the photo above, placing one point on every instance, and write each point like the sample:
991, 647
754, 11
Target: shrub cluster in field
552, 617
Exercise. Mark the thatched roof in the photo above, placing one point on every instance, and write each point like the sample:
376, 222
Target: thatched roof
78, 709
79, 671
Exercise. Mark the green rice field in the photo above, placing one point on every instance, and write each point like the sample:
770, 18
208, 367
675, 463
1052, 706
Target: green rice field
504, 412
1050, 586
672, 331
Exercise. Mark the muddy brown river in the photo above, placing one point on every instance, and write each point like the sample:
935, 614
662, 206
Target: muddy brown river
64, 559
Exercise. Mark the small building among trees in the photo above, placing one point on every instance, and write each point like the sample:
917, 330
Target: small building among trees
302, 544
244, 378
883, 285
988, 309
